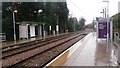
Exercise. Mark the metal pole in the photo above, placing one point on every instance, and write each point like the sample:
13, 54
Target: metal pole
43, 30
44, 18
107, 21
57, 27
103, 13
50, 30
14, 26
111, 29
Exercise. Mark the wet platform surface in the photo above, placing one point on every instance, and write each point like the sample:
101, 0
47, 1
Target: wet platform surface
92, 52
88, 52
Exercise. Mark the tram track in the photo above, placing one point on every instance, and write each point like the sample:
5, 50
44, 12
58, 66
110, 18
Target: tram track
21, 49
15, 46
22, 58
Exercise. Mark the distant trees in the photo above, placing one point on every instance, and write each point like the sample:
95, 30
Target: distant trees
75, 25
71, 24
116, 22
82, 23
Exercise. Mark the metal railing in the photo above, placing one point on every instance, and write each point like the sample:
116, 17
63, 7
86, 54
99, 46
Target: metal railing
2, 37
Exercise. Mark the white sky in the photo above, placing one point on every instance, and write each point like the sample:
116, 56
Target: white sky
90, 9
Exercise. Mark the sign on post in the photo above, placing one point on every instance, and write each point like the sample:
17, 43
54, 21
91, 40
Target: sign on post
103, 28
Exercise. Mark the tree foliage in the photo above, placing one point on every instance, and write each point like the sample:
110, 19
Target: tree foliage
116, 22
28, 11
81, 23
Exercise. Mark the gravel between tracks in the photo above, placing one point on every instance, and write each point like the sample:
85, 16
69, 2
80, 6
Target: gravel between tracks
25, 55
41, 59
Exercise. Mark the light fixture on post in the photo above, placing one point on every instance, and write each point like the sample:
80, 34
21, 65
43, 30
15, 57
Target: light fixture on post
40, 27
39, 11
15, 11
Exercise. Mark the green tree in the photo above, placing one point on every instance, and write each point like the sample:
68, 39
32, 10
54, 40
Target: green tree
7, 25
28, 11
81, 23
116, 22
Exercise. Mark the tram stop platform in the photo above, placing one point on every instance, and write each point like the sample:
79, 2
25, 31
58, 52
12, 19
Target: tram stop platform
88, 52
24, 41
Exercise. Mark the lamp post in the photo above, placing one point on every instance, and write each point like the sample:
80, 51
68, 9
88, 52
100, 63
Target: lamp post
39, 11
50, 30
15, 11
44, 18
43, 30
57, 27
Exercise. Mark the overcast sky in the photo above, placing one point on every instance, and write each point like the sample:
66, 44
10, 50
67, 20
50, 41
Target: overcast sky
90, 9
